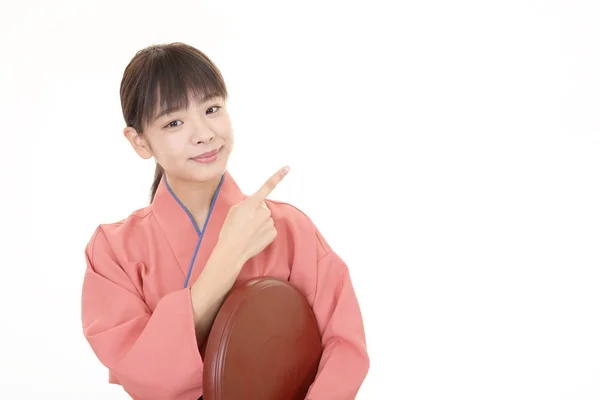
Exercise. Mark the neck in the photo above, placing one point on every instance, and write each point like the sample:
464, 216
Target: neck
195, 196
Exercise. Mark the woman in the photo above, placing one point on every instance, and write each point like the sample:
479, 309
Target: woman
155, 281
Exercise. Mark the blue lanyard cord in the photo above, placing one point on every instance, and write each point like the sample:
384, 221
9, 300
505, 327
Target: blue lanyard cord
198, 231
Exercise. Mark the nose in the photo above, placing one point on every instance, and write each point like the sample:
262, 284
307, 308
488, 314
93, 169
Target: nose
202, 133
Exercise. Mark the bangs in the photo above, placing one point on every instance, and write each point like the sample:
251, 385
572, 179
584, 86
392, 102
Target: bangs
172, 78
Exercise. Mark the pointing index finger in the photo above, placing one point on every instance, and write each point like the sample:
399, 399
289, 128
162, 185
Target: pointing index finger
262, 193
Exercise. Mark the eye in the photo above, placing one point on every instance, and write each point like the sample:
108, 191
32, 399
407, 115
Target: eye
217, 107
170, 124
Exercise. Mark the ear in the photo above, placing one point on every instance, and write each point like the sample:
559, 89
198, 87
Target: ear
138, 142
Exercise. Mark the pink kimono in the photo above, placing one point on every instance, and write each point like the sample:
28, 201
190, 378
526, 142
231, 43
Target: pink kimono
136, 306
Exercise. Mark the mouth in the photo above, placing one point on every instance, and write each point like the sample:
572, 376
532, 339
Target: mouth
208, 157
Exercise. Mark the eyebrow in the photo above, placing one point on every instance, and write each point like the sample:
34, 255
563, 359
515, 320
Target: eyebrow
170, 110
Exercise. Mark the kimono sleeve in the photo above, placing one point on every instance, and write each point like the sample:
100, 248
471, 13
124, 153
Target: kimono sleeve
152, 355
344, 363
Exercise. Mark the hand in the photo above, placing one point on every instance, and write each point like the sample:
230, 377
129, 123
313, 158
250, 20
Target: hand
248, 228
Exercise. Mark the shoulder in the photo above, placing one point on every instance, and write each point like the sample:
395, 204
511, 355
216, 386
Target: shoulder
297, 221
290, 213
111, 236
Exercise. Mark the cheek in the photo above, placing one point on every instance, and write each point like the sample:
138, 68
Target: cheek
170, 149
227, 136
224, 129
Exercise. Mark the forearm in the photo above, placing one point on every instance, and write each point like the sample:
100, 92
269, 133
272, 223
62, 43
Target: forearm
344, 362
211, 288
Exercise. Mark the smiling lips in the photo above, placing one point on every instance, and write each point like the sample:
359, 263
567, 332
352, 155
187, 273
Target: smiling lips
207, 157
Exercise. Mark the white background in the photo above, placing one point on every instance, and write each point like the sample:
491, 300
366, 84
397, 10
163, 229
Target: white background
449, 152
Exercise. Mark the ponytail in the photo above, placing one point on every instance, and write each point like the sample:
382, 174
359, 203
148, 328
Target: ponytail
158, 173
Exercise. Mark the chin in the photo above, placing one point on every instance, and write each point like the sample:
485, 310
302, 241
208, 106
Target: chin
202, 173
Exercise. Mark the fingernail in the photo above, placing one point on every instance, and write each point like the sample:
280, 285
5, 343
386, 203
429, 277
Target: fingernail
286, 170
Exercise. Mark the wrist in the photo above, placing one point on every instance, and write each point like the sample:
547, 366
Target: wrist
226, 258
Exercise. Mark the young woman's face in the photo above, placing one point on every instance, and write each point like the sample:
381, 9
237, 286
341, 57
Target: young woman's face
191, 144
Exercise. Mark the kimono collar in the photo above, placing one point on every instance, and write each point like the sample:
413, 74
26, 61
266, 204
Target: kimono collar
191, 243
